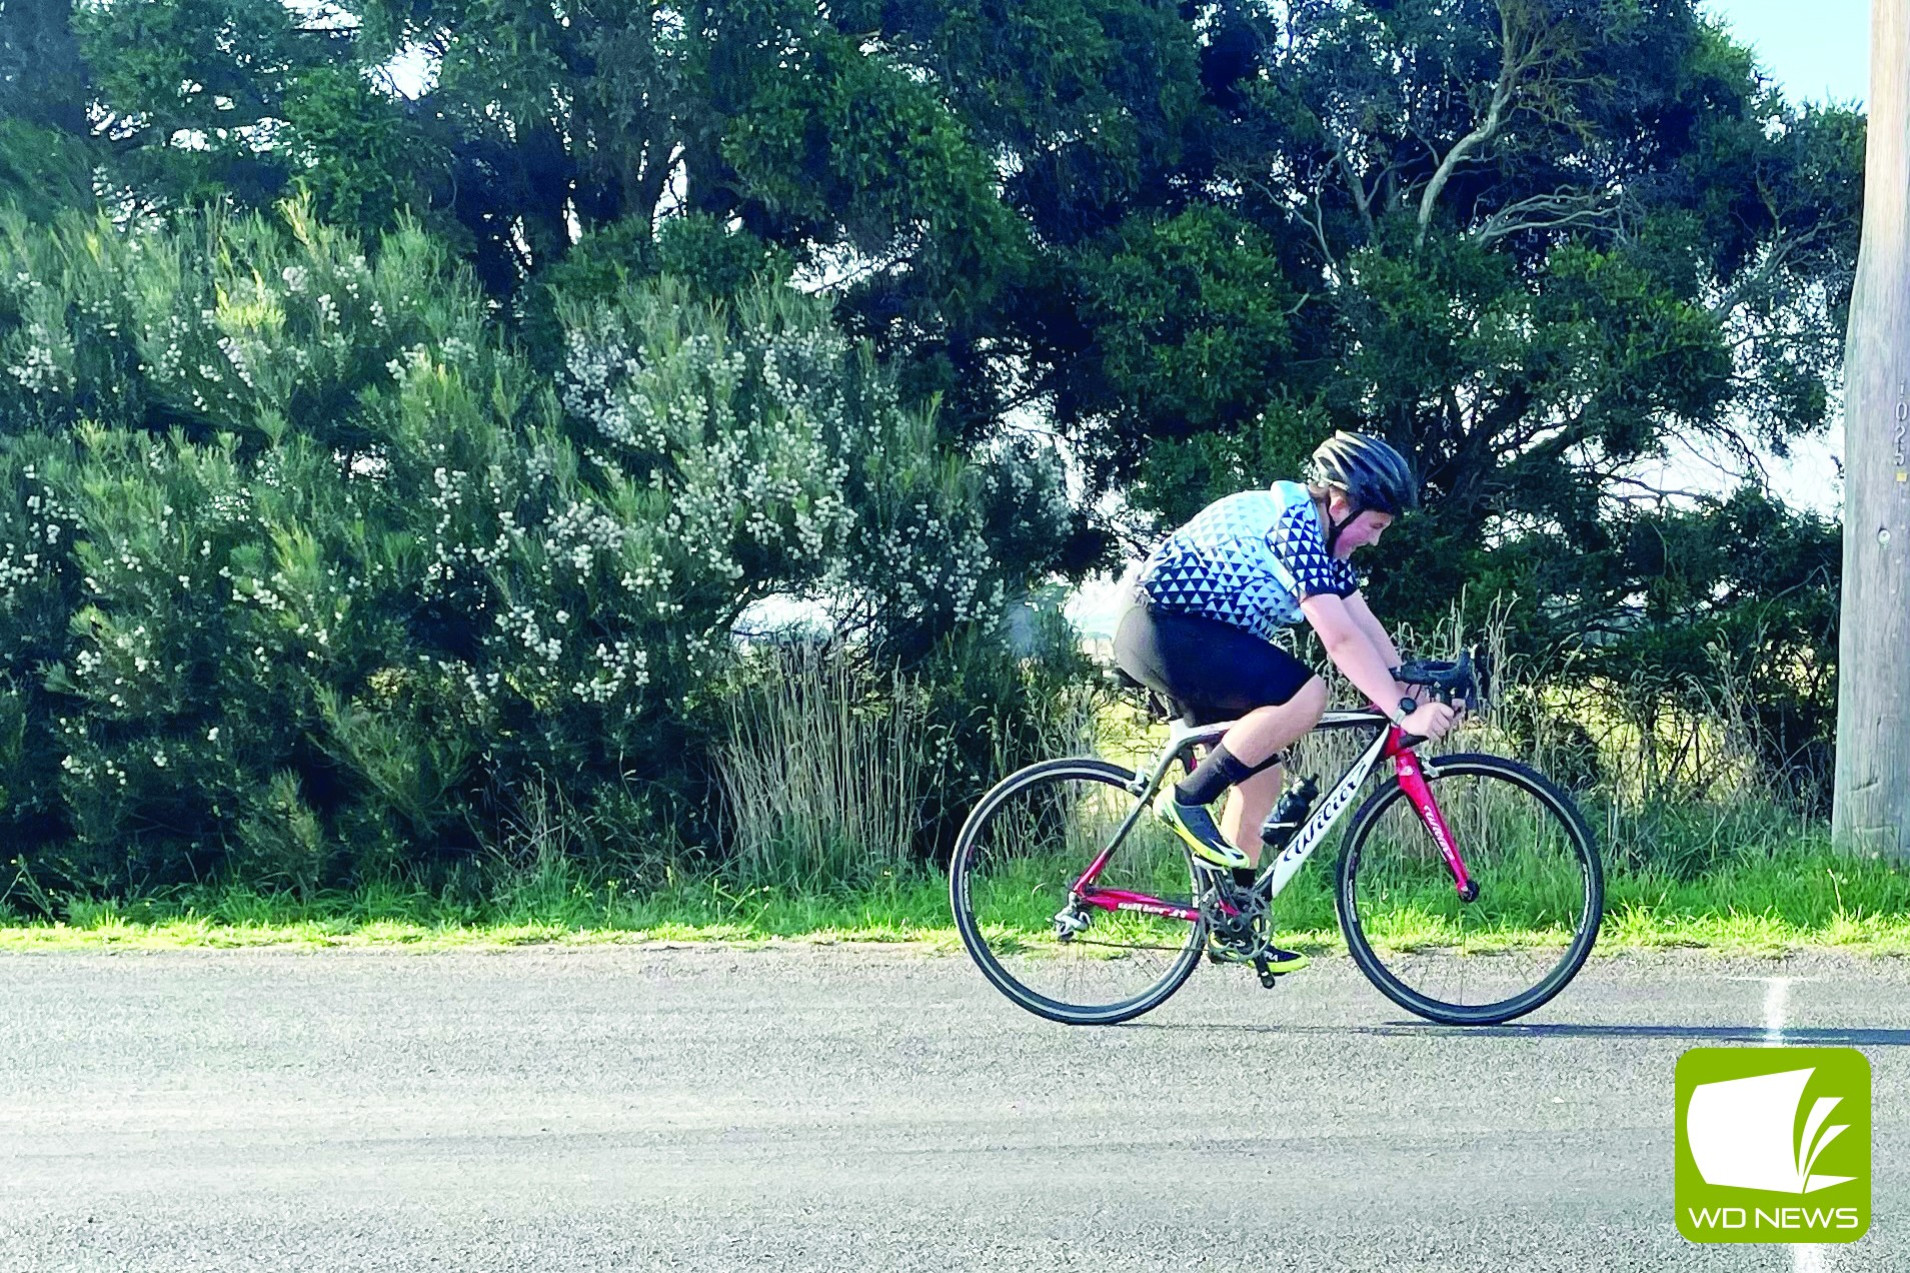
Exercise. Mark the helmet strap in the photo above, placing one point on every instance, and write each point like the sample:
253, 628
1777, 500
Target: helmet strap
1334, 528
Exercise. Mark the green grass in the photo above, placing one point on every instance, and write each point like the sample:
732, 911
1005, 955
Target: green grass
564, 912
1764, 903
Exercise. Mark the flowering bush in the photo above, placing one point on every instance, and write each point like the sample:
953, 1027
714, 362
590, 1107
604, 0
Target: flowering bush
306, 575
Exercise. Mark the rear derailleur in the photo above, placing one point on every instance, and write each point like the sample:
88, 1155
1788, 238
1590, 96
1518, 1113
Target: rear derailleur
1070, 920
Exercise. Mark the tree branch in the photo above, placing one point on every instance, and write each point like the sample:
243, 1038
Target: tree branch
1530, 49
1495, 114
1563, 207
655, 175
1362, 198
1783, 246
1317, 224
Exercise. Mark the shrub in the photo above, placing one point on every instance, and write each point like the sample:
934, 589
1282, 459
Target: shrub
306, 575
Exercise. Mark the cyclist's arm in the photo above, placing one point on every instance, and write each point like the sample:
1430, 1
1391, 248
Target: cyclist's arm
1351, 647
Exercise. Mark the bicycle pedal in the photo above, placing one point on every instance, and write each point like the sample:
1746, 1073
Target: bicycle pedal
1268, 977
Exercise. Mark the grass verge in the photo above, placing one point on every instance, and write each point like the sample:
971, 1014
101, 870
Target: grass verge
1769, 905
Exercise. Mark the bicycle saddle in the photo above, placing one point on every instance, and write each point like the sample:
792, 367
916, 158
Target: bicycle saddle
1159, 706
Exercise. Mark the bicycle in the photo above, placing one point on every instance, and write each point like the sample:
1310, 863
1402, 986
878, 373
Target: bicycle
1081, 907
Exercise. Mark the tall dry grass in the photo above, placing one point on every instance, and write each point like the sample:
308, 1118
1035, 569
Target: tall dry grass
824, 770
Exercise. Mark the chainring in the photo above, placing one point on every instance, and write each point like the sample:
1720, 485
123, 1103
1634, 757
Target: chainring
1236, 920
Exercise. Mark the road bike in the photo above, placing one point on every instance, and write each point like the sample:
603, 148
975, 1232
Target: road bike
1468, 887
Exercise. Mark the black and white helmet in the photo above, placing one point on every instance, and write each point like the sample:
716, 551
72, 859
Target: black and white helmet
1373, 475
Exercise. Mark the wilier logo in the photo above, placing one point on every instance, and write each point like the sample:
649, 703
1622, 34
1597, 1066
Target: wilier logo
1773, 1145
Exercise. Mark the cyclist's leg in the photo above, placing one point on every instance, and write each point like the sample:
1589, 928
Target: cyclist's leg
1221, 672
1259, 734
1248, 804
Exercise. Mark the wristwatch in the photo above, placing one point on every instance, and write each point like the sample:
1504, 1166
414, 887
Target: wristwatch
1406, 708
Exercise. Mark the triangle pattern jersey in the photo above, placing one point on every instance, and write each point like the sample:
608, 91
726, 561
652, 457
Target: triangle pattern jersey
1247, 560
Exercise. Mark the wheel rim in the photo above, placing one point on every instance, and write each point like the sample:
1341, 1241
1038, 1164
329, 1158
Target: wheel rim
1519, 940
1016, 867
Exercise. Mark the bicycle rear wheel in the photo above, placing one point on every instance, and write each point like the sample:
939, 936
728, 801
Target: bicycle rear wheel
1012, 875
1541, 893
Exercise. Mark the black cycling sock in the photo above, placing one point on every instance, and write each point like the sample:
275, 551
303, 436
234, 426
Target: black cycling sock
1212, 776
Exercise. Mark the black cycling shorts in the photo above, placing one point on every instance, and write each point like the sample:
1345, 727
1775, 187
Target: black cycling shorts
1211, 670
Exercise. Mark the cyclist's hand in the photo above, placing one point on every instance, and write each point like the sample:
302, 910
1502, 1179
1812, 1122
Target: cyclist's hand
1432, 720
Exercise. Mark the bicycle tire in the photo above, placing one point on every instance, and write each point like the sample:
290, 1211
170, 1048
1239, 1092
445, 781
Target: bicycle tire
1364, 847
1012, 959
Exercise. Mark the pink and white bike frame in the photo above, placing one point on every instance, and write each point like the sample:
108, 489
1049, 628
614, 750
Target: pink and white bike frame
1388, 746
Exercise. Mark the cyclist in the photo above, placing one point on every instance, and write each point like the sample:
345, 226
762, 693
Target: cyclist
1207, 605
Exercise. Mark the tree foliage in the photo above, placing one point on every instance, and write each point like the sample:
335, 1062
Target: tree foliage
1538, 244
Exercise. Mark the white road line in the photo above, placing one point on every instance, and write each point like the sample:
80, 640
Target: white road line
1777, 990
1805, 1257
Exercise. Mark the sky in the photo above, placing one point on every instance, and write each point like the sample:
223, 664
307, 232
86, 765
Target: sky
1819, 50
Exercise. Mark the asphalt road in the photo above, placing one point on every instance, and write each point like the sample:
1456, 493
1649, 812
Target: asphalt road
819, 1108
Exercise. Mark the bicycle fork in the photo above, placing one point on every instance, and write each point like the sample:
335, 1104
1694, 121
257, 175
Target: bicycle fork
1412, 781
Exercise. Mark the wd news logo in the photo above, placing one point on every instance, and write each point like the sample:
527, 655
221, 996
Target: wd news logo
1773, 1145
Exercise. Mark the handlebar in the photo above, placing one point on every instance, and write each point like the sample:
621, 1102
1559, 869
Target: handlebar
1452, 681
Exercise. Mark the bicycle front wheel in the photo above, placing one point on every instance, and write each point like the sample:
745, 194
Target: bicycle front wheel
1541, 893
1012, 879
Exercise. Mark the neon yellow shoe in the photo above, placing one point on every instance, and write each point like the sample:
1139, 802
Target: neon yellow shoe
1281, 962
1195, 825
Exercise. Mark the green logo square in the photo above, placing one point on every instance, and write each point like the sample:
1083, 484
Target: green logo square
1773, 1145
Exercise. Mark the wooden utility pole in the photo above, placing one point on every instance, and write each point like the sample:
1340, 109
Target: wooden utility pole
1871, 806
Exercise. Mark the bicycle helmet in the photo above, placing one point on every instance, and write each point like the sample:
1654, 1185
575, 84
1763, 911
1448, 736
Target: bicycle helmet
1375, 477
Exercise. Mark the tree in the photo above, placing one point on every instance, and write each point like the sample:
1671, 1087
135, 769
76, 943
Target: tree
1535, 243
45, 155
1532, 244
42, 78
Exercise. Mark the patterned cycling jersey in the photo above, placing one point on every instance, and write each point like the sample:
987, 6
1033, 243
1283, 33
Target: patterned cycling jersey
1247, 560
